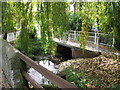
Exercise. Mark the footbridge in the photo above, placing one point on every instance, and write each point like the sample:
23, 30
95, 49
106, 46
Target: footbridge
96, 43
13, 63
14, 73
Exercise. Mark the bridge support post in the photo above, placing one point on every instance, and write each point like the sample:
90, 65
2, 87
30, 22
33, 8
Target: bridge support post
73, 53
77, 53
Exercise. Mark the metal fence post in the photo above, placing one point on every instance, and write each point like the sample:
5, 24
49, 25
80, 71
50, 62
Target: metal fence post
75, 35
113, 43
95, 37
60, 37
97, 43
68, 36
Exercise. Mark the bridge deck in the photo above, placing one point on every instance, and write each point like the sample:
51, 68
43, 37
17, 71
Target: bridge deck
90, 46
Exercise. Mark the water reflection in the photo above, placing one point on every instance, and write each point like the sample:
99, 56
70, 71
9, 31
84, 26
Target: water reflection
37, 76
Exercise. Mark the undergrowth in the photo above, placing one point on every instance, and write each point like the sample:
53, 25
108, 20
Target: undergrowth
82, 80
34, 47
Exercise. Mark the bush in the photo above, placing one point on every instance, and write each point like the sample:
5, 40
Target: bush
34, 47
78, 79
75, 22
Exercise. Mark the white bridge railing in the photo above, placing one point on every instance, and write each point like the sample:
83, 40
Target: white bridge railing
74, 36
93, 37
11, 36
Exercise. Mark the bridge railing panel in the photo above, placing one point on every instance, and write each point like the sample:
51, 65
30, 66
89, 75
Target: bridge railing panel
106, 39
94, 37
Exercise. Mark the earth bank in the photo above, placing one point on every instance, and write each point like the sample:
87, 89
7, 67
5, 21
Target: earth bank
101, 72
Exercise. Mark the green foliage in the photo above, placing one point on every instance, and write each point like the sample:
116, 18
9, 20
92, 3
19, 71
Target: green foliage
78, 79
59, 17
34, 48
116, 87
53, 19
8, 20
105, 14
82, 80
75, 22
50, 87
33, 33
84, 33
115, 22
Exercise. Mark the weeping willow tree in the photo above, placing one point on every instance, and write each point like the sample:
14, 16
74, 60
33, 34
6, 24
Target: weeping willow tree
8, 22
53, 20
52, 17
23, 16
59, 17
45, 25
114, 21
43, 19
105, 14
84, 33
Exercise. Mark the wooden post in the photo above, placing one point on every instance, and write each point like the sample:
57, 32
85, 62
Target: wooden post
24, 68
32, 81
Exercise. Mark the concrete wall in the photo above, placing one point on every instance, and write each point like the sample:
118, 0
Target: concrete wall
0, 64
11, 64
77, 53
72, 52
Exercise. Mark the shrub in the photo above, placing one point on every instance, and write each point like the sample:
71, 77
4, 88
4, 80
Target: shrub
78, 79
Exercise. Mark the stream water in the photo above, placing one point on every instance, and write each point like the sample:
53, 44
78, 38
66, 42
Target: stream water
37, 76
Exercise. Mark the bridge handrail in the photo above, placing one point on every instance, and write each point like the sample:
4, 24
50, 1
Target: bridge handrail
73, 35
58, 81
91, 32
31, 80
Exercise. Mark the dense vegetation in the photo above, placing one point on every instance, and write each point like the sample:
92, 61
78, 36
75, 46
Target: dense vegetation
54, 18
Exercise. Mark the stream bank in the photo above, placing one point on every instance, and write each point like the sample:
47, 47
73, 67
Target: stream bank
98, 72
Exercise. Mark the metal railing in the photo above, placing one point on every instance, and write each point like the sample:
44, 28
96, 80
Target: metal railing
11, 36
74, 36
93, 37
